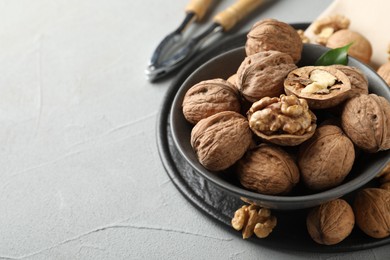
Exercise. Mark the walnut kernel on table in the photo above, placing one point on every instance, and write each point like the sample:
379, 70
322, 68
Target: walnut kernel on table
331, 222
284, 121
365, 119
326, 159
372, 211
321, 86
271, 34
209, 97
252, 219
267, 169
262, 74
221, 139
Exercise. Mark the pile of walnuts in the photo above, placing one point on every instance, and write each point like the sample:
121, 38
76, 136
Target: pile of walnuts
243, 124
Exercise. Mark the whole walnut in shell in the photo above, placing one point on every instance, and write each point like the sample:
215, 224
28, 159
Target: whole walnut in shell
209, 97
267, 169
284, 121
360, 49
271, 34
326, 158
322, 86
366, 120
372, 210
221, 139
331, 222
262, 74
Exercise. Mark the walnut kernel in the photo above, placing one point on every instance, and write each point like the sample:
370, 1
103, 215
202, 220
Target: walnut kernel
284, 121
253, 219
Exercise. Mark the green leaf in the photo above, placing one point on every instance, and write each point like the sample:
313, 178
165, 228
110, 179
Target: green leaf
334, 56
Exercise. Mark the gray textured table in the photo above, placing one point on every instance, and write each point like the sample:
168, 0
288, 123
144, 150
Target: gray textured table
81, 176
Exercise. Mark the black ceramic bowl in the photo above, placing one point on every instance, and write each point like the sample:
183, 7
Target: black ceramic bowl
365, 168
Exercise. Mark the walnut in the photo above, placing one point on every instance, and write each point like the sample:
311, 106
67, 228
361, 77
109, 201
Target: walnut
359, 81
284, 121
384, 72
365, 119
331, 222
322, 86
304, 38
253, 219
328, 25
262, 74
267, 169
209, 97
385, 186
221, 139
233, 79
271, 34
360, 49
326, 158
372, 210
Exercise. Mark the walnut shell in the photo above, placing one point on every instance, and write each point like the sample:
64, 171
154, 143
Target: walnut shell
209, 97
360, 49
221, 139
262, 74
372, 210
326, 159
331, 222
271, 34
384, 72
267, 169
284, 121
366, 120
299, 80
359, 81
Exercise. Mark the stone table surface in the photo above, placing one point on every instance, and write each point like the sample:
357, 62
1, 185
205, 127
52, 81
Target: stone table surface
81, 176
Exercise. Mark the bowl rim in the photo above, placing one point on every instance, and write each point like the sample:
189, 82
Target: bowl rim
295, 200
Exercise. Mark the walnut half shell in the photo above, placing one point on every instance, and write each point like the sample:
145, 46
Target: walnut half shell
284, 121
321, 86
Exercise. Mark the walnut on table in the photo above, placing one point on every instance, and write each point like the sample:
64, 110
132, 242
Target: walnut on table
331, 222
252, 219
372, 211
